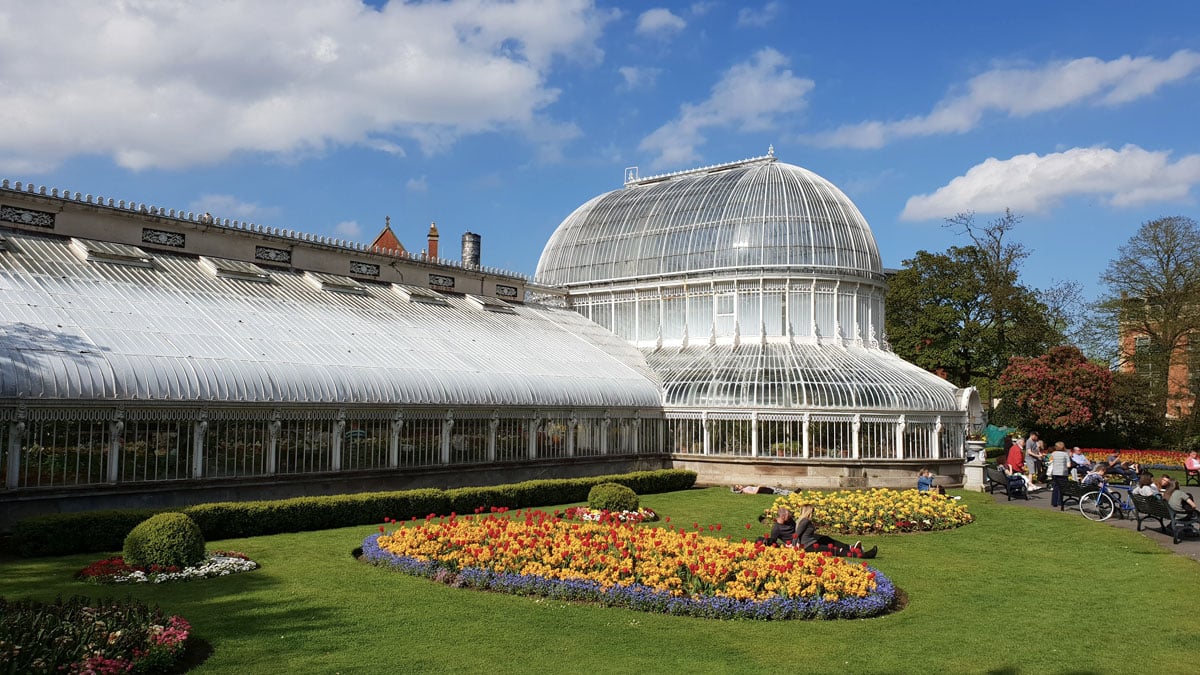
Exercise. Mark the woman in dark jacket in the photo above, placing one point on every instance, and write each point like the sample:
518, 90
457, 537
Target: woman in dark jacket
783, 530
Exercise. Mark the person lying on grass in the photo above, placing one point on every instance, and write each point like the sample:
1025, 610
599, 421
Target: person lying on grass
759, 490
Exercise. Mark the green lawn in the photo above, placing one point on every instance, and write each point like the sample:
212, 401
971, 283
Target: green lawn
1019, 591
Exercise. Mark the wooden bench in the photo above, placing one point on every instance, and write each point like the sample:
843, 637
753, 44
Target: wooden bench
1169, 520
1074, 491
995, 478
1151, 507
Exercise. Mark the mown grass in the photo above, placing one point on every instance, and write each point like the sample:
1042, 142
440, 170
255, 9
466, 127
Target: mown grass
1019, 591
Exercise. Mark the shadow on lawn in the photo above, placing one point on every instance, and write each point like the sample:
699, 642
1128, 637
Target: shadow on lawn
1011, 670
197, 652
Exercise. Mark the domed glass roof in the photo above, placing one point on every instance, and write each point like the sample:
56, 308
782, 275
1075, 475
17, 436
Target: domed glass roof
723, 220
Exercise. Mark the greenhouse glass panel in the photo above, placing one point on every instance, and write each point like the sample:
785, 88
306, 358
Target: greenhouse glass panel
153, 450
366, 444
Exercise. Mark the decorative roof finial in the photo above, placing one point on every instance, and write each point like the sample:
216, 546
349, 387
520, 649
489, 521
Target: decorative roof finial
771, 150
387, 221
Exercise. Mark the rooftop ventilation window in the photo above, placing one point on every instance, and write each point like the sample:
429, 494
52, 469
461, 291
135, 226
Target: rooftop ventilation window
421, 295
335, 283
234, 269
491, 304
109, 252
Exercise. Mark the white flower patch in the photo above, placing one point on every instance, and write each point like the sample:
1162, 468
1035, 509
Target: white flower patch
213, 566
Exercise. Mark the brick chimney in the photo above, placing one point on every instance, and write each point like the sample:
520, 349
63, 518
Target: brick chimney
433, 241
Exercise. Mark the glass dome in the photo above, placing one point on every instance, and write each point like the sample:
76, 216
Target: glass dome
757, 214
754, 285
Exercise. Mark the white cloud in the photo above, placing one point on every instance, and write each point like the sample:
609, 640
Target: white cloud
184, 83
1034, 183
228, 206
1021, 92
759, 18
659, 23
349, 229
639, 77
417, 184
750, 96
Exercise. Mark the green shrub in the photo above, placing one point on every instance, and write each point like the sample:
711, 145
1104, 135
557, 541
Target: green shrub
168, 539
612, 497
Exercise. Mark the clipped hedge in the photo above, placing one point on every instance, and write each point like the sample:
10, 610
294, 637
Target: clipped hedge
90, 531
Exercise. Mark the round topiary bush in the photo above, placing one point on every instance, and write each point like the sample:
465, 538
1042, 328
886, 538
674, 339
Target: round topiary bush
167, 539
612, 497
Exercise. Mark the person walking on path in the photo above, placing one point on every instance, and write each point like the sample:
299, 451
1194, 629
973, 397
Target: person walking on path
1060, 465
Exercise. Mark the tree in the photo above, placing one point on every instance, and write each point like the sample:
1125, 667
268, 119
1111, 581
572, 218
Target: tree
1060, 391
1153, 296
958, 313
1135, 419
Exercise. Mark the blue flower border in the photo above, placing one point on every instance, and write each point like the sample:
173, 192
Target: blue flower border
644, 598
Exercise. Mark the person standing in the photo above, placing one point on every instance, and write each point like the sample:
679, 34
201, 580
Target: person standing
1060, 466
1032, 454
1013, 459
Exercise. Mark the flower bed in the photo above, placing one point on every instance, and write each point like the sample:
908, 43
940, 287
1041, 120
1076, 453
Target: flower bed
115, 571
642, 515
878, 511
85, 636
655, 569
1147, 459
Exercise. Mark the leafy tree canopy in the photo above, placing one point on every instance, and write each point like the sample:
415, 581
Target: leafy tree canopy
1060, 391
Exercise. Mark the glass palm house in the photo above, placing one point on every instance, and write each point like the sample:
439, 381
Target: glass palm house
755, 290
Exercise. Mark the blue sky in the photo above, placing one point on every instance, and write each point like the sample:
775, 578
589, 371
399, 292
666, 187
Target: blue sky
501, 117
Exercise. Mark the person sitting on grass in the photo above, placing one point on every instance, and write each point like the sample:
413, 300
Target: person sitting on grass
924, 480
925, 484
803, 533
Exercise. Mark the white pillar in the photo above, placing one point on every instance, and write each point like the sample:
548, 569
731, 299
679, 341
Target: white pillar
447, 428
16, 433
273, 429
493, 427
855, 441
394, 439
936, 450
754, 434
199, 443
804, 452
535, 421
115, 430
339, 435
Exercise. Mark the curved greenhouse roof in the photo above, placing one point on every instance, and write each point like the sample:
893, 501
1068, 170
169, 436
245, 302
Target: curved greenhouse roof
804, 376
166, 329
750, 215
